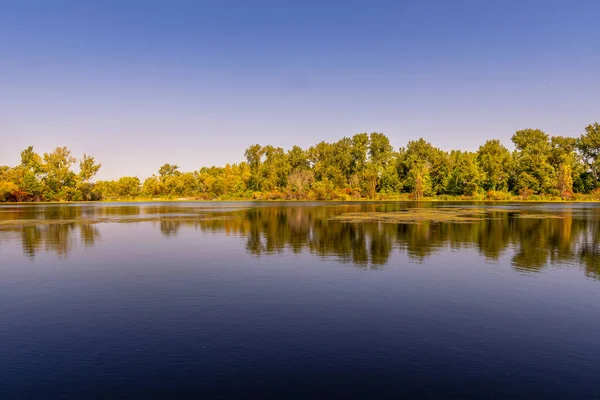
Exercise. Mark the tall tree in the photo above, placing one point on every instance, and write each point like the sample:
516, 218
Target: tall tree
254, 155
589, 147
380, 150
465, 177
58, 175
298, 159
429, 162
31, 160
565, 162
533, 170
30, 173
496, 163
168, 170
360, 147
88, 168
419, 180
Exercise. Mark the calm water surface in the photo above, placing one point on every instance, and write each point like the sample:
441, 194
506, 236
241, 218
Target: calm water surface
250, 300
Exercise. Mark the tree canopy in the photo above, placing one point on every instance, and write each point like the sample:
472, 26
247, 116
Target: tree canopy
364, 166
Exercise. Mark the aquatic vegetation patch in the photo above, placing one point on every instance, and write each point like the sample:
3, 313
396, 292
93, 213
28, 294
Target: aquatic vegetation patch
435, 215
540, 216
20, 223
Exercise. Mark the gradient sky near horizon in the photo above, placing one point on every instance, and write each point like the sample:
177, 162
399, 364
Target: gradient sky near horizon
140, 83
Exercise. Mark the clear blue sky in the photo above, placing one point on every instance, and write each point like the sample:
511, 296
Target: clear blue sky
140, 83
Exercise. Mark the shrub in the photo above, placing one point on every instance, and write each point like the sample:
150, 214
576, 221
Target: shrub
595, 194
568, 195
323, 190
525, 193
498, 195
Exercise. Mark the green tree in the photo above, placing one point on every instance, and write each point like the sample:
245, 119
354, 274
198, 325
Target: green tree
496, 163
565, 162
466, 177
8, 191
153, 187
128, 186
31, 160
58, 177
380, 150
564, 180
88, 168
168, 170
533, 170
389, 181
359, 152
254, 155
275, 169
31, 170
418, 180
381, 174
298, 159
430, 165
589, 147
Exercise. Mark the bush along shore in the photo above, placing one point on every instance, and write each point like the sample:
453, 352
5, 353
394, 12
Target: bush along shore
362, 167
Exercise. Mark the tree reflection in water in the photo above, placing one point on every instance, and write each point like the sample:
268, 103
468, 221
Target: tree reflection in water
534, 243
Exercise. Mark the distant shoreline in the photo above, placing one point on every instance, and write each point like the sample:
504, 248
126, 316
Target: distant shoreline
364, 166
193, 200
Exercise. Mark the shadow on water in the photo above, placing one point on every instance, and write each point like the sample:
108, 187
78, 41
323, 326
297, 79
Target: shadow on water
533, 243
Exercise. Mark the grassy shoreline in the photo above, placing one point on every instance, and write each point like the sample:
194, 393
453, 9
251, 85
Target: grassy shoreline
195, 200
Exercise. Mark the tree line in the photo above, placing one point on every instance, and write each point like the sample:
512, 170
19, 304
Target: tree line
364, 166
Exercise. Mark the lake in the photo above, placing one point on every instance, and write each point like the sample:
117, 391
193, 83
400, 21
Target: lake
254, 300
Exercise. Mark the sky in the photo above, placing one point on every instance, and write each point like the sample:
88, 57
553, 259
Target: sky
137, 84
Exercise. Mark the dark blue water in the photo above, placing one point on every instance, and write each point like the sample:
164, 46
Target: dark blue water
278, 301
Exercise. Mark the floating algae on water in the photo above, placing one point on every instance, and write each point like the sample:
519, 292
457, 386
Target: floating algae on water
404, 216
45, 222
540, 216
435, 215
415, 215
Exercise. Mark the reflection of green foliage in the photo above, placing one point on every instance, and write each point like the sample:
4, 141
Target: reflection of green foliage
57, 238
589, 250
535, 242
589, 256
89, 234
169, 227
